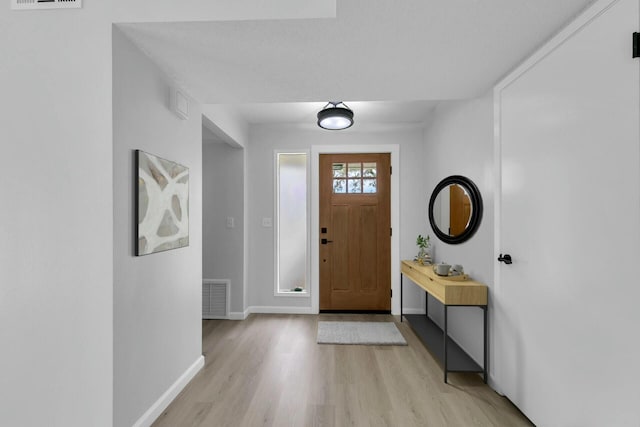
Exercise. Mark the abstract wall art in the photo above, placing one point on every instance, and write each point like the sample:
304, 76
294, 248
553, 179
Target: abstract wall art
162, 204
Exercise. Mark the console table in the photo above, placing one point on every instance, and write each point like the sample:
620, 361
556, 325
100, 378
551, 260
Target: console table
451, 294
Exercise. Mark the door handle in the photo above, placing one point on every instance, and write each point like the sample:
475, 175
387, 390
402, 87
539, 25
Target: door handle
506, 259
325, 241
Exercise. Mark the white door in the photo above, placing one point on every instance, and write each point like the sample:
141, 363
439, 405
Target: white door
567, 311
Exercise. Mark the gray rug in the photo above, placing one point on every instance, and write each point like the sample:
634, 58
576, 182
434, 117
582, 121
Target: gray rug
364, 333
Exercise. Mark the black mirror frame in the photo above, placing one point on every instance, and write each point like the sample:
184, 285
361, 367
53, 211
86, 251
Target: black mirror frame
476, 211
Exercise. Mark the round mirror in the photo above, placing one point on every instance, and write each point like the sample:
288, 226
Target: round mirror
455, 209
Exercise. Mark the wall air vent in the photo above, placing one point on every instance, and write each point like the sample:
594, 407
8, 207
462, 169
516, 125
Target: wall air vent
45, 4
215, 299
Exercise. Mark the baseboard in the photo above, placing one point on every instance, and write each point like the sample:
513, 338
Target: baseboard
281, 310
161, 404
239, 315
355, 312
413, 311
266, 309
263, 309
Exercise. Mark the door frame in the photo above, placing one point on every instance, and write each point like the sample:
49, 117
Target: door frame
394, 151
497, 344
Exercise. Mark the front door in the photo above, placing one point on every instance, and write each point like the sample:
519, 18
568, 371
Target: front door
355, 232
460, 210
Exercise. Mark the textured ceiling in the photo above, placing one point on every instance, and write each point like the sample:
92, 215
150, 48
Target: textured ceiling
408, 50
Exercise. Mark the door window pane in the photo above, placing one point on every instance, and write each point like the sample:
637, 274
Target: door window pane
355, 186
339, 170
355, 170
369, 170
369, 185
339, 186
355, 178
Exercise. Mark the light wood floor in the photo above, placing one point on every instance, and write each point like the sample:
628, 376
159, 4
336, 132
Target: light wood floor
269, 371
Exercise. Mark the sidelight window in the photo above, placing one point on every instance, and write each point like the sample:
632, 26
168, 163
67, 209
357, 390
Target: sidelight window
292, 275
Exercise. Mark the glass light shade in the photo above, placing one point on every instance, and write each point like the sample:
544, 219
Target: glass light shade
335, 118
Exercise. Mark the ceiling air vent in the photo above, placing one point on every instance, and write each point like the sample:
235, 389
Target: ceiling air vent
45, 4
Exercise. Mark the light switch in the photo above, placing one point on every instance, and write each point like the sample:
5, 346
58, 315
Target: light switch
267, 222
231, 222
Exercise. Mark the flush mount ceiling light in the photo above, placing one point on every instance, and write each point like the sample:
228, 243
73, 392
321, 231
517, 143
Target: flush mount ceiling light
335, 116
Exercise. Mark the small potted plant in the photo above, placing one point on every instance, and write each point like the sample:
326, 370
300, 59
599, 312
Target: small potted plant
424, 244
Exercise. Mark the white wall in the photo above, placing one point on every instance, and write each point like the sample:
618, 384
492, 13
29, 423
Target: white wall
260, 175
223, 196
57, 240
157, 297
220, 10
56, 215
459, 141
226, 124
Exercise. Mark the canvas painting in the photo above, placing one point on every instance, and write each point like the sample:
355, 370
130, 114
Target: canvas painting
162, 210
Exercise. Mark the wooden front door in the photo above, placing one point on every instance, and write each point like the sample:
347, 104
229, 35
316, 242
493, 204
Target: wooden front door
355, 232
460, 210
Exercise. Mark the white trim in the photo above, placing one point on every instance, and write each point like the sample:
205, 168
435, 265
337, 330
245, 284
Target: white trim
293, 294
264, 309
495, 374
167, 397
595, 10
239, 315
281, 310
245, 231
316, 150
276, 228
413, 311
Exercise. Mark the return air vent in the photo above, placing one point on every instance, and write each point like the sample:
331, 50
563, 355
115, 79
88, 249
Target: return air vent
215, 299
45, 4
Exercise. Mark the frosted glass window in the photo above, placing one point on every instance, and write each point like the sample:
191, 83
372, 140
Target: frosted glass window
369, 170
292, 262
355, 186
339, 186
355, 170
369, 185
355, 178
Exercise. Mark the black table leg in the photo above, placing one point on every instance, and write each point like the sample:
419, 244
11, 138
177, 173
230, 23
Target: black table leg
445, 344
400, 297
426, 304
484, 308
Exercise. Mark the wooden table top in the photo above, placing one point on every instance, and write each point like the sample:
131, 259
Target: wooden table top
449, 292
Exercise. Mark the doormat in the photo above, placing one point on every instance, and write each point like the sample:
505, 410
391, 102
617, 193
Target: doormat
362, 333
